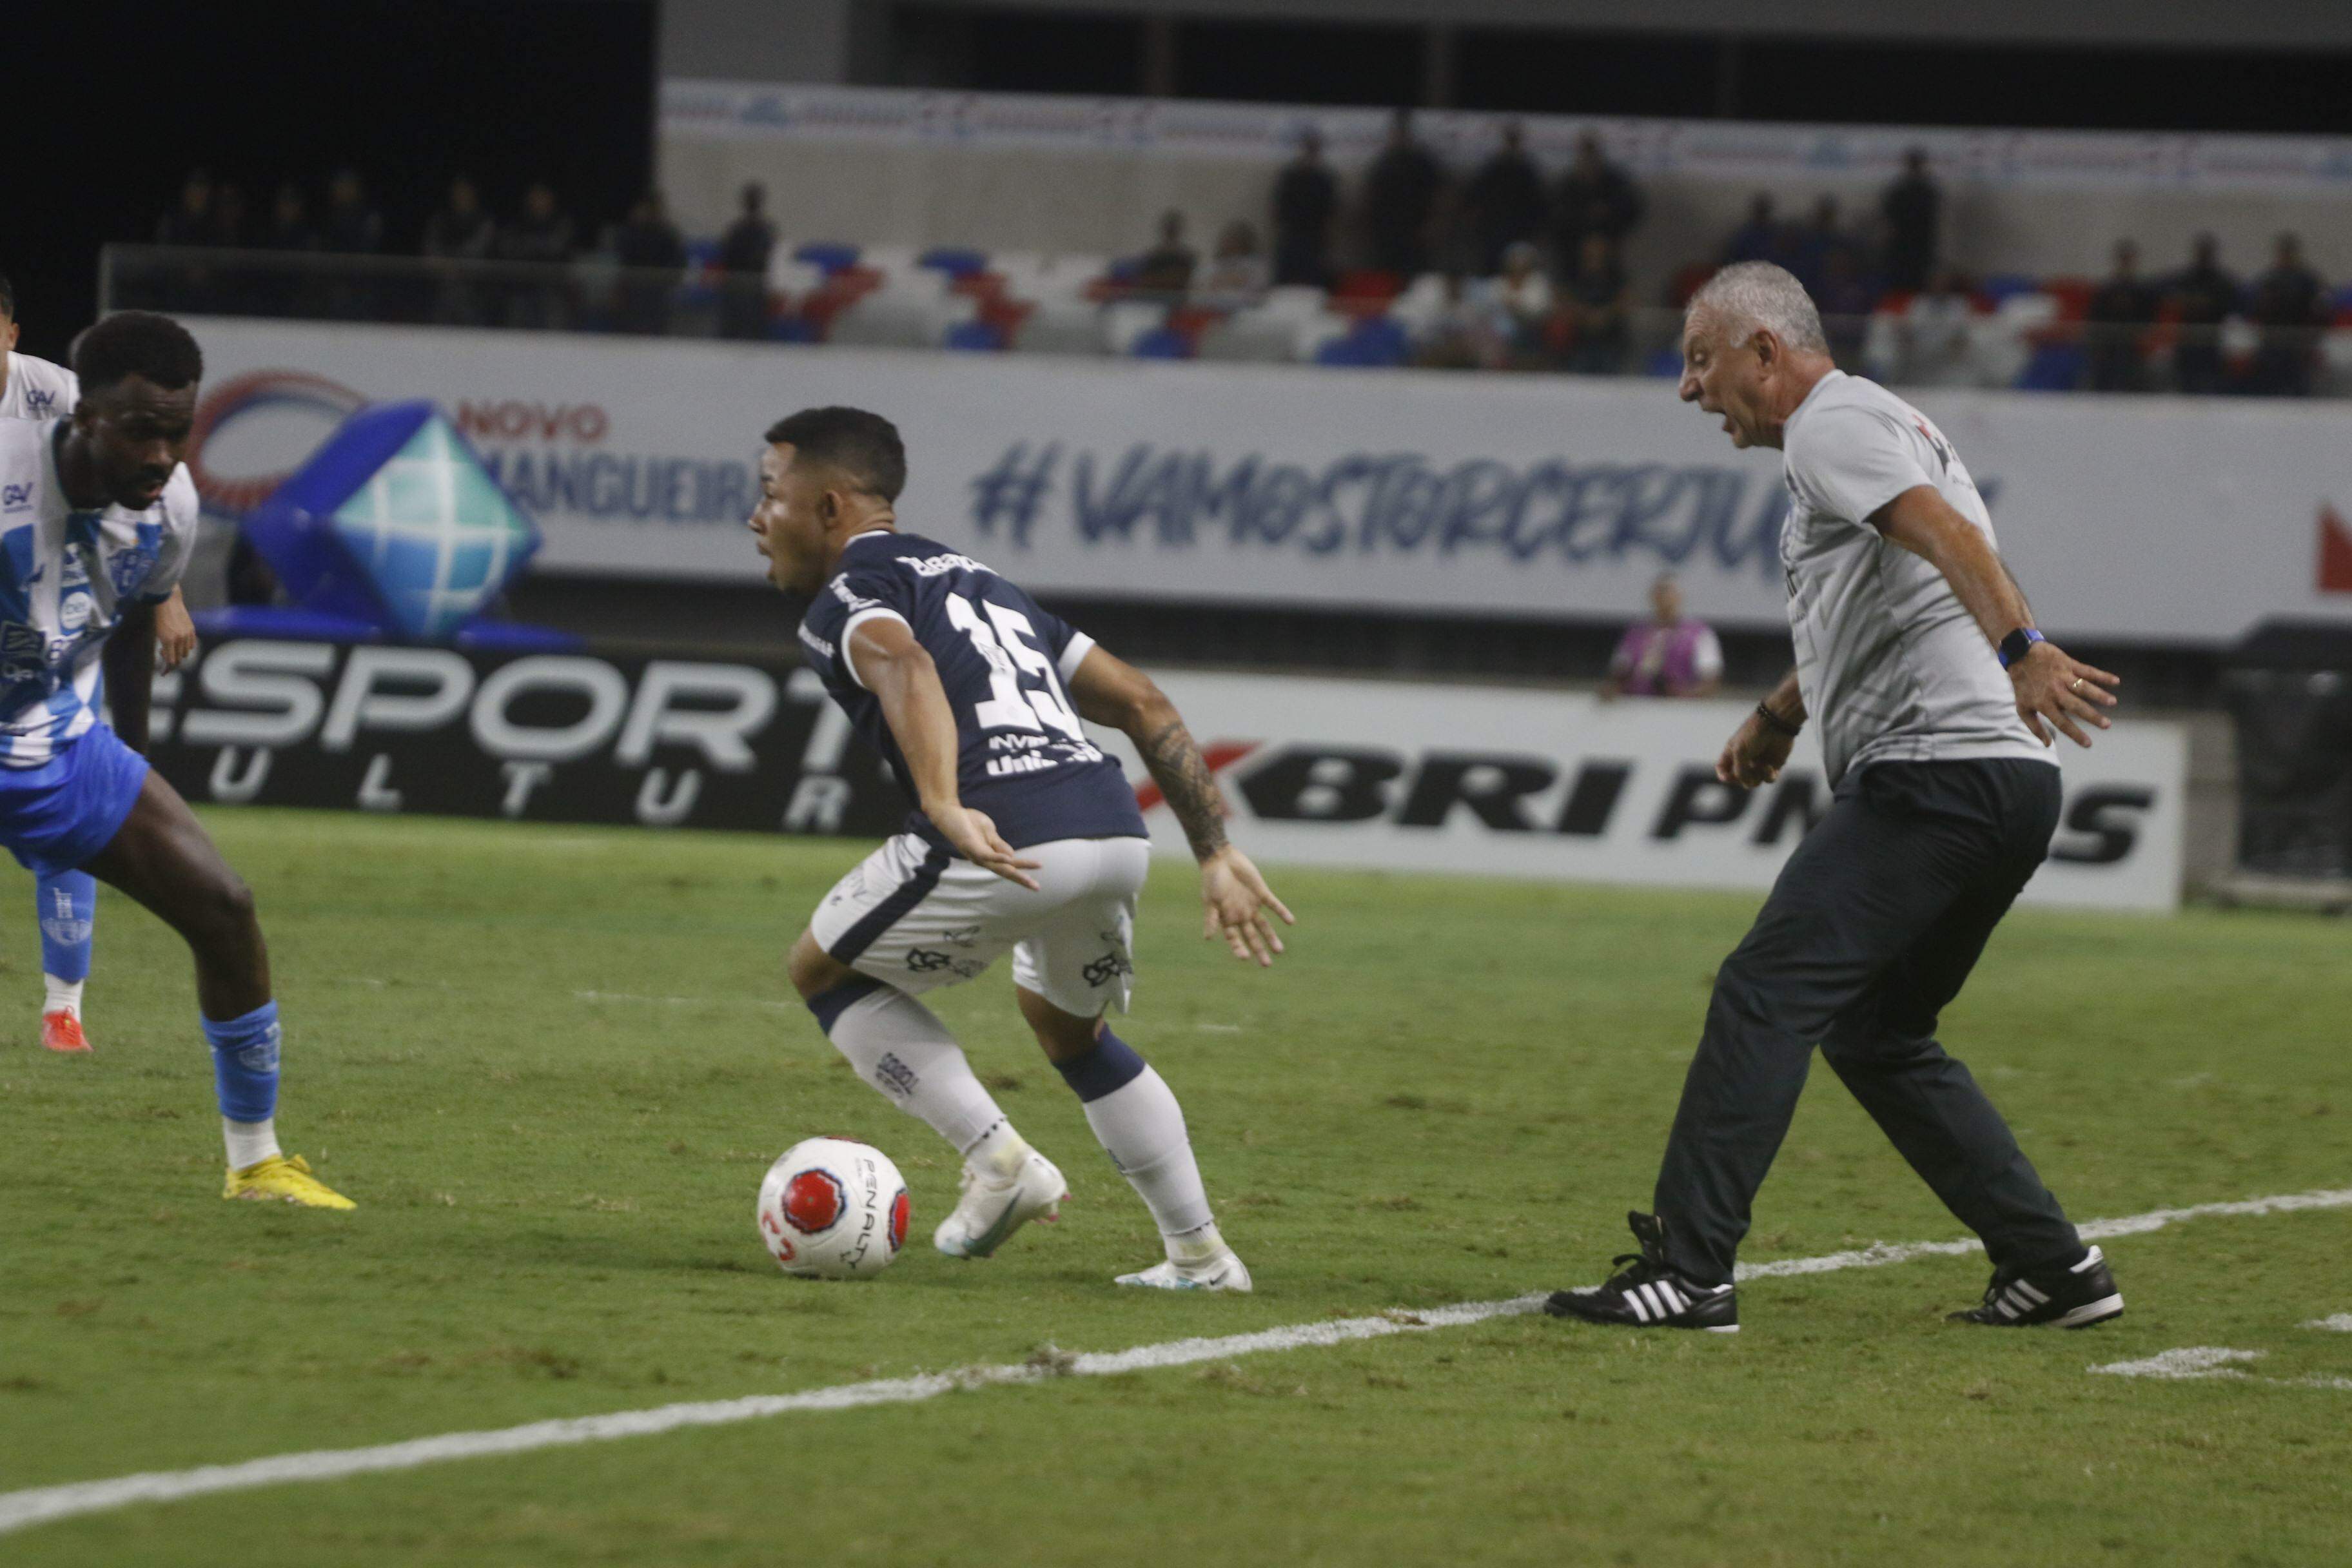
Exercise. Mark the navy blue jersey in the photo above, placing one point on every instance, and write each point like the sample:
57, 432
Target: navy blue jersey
1021, 755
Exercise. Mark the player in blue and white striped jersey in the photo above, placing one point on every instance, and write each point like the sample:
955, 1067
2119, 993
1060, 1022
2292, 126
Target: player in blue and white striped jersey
97, 517
65, 905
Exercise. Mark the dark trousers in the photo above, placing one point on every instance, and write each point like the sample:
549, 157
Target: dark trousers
1874, 923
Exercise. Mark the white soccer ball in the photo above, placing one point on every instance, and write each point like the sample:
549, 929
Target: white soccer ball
832, 1209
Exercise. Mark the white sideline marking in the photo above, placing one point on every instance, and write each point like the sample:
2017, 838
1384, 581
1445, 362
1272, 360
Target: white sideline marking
2096, 1230
2178, 1366
2213, 1361
36, 1505
2341, 1323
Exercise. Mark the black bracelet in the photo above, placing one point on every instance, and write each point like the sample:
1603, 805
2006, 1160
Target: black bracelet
1776, 723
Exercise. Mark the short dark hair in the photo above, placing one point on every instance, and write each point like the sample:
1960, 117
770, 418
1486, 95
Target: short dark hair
137, 342
7, 298
864, 446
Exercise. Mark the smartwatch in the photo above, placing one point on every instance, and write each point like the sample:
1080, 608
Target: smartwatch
2018, 644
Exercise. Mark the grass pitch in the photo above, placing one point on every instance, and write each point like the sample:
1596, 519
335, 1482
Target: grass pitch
551, 1063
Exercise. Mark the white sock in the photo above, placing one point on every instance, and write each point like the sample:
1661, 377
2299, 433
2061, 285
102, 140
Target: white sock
899, 1047
1141, 1128
998, 1153
1195, 1246
249, 1143
65, 995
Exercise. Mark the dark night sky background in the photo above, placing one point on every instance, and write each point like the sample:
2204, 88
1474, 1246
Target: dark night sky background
112, 102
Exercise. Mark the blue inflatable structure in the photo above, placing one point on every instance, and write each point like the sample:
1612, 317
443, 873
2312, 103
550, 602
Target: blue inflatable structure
394, 529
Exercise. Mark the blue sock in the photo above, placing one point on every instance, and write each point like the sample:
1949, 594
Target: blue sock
1111, 1065
67, 905
245, 1063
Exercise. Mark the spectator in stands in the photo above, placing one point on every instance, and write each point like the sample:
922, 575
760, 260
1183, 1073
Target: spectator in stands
2116, 325
1814, 242
229, 216
539, 242
743, 259
1598, 319
1503, 202
350, 226
184, 284
459, 238
652, 255
233, 288
1462, 334
191, 222
1669, 655
1237, 274
2203, 297
1400, 191
1758, 236
1913, 209
281, 290
2290, 305
1845, 300
1595, 196
1522, 303
1166, 268
289, 222
1935, 332
1305, 201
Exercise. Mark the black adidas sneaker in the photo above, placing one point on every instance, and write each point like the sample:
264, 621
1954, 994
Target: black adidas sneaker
1650, 1294
2073, 1298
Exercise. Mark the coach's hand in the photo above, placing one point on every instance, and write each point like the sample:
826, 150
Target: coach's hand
1754, 756
976, 839
2053, 689
1237, 898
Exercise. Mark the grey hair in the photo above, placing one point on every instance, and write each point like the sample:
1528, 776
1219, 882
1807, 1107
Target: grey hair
1759, 294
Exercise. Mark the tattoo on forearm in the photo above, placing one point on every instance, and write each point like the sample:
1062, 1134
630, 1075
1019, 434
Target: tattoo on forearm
1190, 789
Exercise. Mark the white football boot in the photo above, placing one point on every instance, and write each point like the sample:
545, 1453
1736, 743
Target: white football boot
1202, 1263
995, 1205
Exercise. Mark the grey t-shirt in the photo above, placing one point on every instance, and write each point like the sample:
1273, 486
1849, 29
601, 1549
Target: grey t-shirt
1892, 666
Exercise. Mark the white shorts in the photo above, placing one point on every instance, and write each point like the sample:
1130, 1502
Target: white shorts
915, 917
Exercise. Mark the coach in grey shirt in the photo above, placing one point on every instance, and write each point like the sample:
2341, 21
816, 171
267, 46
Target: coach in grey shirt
1935, 700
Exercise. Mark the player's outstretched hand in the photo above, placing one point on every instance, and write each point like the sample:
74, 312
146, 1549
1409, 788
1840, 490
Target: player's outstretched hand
976, 839
1754, 756
1237, 898
2052, 689
175, 633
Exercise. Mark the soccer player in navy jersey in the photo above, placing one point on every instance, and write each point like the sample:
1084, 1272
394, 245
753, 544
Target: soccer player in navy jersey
1025, 837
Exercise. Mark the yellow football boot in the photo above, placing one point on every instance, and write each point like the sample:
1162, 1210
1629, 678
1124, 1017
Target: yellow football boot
286, 1179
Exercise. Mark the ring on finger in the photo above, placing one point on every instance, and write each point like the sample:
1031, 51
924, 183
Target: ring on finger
2075, 685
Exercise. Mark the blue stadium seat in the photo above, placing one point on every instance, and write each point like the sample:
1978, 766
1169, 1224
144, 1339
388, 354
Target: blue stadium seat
2055, 367
1163, 343
973, 337
1374, 342
954, 260
831, 255
2002, 285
